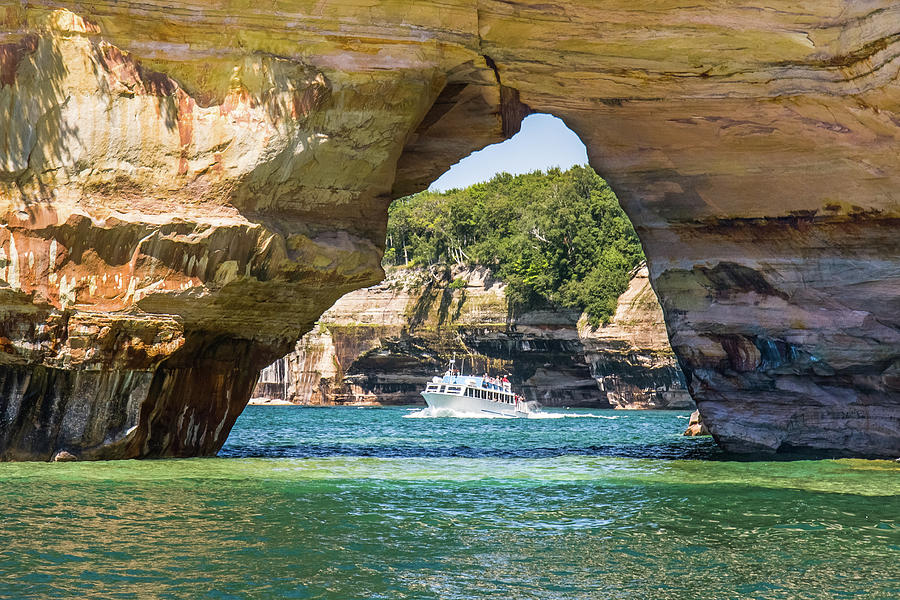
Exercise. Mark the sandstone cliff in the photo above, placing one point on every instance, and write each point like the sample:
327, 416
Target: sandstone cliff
186, 185
382, 344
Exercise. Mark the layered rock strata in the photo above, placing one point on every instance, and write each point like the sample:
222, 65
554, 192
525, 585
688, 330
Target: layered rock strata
382, 344
185, 186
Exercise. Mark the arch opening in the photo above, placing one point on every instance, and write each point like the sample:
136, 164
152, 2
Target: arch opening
148, 266
584, 337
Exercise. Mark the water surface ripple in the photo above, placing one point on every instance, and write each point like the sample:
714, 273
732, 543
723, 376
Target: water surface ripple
349, 503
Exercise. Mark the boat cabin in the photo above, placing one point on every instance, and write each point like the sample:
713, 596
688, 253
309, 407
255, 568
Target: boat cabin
474, 387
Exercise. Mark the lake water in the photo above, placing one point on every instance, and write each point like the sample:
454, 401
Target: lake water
349, 503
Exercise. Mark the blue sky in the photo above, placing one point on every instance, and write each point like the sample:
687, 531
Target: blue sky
543, 142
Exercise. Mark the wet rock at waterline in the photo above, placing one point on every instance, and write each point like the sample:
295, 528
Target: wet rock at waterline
381, 344
184, 192
696, 426
64, 456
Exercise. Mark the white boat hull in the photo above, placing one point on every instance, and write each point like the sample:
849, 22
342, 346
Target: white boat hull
467, 404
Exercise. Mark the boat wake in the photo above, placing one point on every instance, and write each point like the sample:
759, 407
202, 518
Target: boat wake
438, 413
552, 415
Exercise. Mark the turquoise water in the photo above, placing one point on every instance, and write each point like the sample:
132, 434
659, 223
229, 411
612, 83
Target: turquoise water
350, 503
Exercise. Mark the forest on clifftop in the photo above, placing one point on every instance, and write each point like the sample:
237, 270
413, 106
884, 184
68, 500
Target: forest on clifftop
556, 238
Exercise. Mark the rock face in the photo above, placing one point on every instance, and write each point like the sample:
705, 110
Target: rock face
185, 186
157, 246
382, 344
631, 358
696, 426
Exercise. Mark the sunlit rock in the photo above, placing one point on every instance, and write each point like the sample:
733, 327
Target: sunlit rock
696, 426
381, 344
186, 186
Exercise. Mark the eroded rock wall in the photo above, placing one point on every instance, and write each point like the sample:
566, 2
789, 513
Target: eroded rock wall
382, 344
221, 172
630, 357
178, 210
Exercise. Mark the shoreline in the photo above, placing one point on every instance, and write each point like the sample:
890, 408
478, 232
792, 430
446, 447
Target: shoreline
269, 402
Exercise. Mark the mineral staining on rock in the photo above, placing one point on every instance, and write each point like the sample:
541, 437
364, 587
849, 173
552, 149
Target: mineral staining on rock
158, 248
381, 344
185, 187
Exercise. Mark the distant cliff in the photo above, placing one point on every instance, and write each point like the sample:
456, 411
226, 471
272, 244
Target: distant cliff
379, 345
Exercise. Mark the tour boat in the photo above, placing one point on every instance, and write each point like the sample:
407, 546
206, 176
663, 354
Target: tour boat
478, 395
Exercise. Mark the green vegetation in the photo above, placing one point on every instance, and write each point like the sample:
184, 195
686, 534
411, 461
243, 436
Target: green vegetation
557, 238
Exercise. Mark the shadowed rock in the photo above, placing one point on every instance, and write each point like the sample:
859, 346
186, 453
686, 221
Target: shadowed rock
383, 343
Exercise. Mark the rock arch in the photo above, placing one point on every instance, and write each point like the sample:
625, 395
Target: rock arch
186, 187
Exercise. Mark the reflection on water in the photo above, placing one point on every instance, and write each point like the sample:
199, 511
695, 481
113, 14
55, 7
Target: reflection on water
345, 525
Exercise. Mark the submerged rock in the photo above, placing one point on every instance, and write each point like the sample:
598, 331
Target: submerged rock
383, 343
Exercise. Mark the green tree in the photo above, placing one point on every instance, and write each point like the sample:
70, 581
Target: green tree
555, 238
